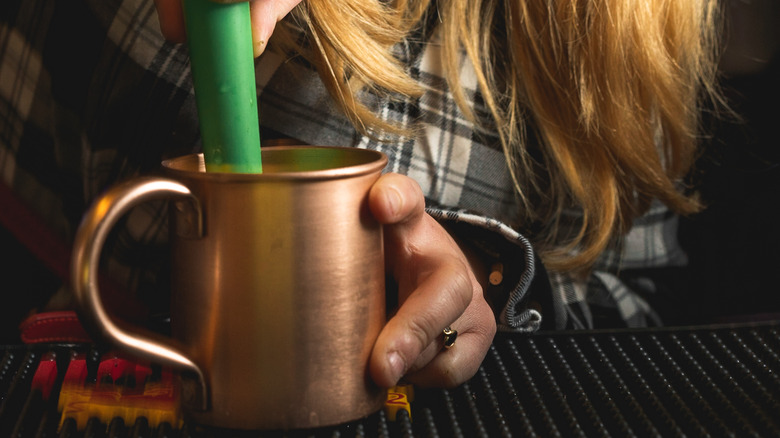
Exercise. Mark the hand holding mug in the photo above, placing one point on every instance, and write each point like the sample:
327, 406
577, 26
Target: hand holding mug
437, 289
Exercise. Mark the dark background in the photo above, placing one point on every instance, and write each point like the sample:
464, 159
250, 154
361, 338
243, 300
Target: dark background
734, 245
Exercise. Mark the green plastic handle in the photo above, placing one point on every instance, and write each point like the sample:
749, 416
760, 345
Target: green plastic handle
223, 75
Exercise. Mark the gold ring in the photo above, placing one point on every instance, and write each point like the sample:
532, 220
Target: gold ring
450, 336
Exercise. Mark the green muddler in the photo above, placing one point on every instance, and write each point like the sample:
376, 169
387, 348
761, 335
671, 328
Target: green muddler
223, 75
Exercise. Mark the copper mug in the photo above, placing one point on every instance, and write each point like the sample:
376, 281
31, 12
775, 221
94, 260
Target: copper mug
277, 286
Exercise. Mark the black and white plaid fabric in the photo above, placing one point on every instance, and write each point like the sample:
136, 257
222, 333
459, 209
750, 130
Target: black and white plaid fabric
90, 94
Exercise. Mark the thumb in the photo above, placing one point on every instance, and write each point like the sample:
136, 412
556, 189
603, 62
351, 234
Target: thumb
265, 14
397, 202
396, 199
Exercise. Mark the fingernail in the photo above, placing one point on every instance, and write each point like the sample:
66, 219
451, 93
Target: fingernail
396, 365
393, 201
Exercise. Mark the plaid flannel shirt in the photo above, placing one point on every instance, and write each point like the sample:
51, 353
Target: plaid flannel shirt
91, 94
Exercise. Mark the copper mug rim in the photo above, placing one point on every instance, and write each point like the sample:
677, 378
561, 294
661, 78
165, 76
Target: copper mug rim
352, 162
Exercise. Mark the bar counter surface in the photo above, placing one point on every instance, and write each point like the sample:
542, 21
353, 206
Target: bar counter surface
721, 380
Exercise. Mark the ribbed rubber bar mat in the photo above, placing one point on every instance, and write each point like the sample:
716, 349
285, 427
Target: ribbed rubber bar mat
707, 381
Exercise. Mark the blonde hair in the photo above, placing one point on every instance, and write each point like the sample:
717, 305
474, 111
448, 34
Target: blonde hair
611, 88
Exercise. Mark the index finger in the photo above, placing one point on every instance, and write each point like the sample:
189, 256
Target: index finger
439, 299
171, 17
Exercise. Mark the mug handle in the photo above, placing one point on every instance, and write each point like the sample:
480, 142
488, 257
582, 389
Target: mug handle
88, 244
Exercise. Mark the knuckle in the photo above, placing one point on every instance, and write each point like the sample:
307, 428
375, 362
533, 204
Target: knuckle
453, 373
461, 289
451, 377
418, 330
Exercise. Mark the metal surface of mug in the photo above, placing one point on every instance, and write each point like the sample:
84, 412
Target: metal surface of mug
277, 286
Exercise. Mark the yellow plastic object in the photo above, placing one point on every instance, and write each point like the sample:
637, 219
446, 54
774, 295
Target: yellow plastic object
398, 399
158, 404
157, 400
407, 389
